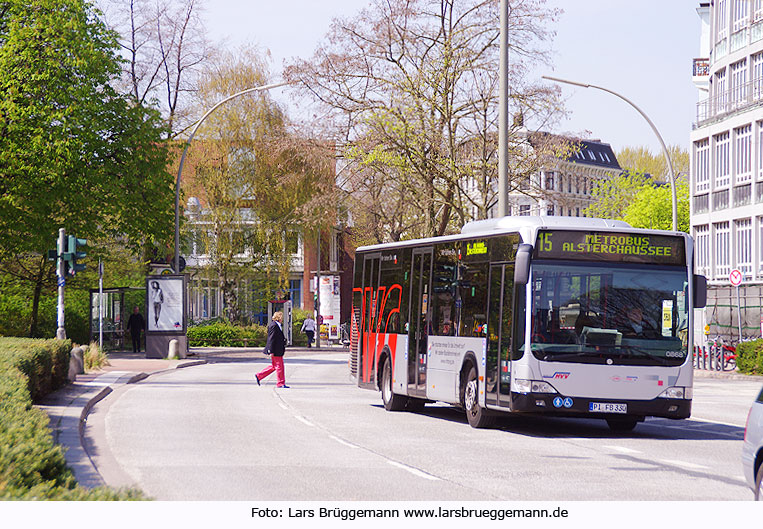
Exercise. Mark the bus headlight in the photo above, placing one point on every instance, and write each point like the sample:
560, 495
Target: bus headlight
677, 392
532, 386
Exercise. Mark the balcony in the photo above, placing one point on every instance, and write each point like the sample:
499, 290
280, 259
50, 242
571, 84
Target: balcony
701, 67
726, 103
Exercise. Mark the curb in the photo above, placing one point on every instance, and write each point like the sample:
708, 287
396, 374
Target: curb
69, 427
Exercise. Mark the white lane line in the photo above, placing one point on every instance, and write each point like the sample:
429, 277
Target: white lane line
303, 420
414, 471
343, 442
695, 418
684, 464
283, 406
622, 449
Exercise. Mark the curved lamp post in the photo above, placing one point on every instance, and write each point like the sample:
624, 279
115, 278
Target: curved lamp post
185, 151
662, 143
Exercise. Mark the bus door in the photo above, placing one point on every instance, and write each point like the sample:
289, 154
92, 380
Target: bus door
498, 361
368, 321
420, 320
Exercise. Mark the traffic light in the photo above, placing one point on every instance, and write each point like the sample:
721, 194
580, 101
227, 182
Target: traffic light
72, 254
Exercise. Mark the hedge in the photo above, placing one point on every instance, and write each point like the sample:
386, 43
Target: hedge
750, 357
44, 363
225, 334
32, 466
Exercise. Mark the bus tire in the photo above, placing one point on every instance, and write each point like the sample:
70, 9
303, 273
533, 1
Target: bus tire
622, 424
415, 405
477, 416
759, 484
392, 402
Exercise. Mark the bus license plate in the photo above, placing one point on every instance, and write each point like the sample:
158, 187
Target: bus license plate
608, 407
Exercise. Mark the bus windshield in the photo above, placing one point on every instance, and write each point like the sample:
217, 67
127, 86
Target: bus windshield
625, 314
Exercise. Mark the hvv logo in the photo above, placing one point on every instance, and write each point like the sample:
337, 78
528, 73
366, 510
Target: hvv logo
558, 374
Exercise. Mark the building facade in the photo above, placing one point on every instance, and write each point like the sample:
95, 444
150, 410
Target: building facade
726, 167
564, 185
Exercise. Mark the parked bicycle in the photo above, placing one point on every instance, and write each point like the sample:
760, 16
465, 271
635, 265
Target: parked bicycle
723, 355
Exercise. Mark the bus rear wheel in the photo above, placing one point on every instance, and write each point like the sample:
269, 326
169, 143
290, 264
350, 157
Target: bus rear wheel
622, 424
391, 401
476, 415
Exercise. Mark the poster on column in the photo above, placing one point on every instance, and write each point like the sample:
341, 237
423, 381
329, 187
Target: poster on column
164, 301
329, 290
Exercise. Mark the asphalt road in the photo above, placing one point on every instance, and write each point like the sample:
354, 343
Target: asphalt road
210, 433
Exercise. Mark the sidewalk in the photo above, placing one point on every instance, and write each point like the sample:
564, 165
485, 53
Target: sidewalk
69, 407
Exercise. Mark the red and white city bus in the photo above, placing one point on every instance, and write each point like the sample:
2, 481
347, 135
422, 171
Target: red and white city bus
573, 317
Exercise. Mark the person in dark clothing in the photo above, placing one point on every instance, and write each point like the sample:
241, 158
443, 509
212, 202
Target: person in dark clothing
275, 347
136, 324
636, 326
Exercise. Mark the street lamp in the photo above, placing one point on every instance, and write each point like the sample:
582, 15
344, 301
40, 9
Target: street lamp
662, 143
185, 150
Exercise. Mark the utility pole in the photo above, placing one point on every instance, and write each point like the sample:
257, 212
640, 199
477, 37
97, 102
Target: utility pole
318, 294
503, 114
61, 278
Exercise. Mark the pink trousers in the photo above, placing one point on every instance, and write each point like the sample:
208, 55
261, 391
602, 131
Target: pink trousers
276, 364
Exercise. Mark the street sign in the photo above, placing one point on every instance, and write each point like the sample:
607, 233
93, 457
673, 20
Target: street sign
735, 277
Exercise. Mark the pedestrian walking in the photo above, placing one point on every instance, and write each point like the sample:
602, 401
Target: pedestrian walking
308, 327
275, 347
136, 324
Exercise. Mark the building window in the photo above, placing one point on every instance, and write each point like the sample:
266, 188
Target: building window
743, 153
721, 159
720, 200
757, 10
702, 252
702, 165
701, 204
295, 293
722, 249
760, 245
550, 180
742, 195
743, 229
757, 75
721, 20
524, 210
550, 211
738, 89
720, 96
740, 14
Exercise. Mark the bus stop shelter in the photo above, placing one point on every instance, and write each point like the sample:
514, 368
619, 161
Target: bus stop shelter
110, 322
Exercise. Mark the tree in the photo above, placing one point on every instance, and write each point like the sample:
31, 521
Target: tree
165, 49
412, 87
74, 152
652, 207
612, 196
641, 160
261, 184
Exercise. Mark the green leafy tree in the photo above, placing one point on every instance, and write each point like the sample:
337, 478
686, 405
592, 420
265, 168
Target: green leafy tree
613, 195
652, 207
74, 152
642, 160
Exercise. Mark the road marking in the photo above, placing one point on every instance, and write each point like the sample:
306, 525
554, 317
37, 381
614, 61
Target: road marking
718, 422
343, 442
283, 406
303, 420
623, 449
684, 464
414, 471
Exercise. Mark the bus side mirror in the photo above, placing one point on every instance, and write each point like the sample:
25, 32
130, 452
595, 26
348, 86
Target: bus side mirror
700, 291
522, 264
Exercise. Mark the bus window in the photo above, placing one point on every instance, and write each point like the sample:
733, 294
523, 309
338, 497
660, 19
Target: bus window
444, 285
472, 293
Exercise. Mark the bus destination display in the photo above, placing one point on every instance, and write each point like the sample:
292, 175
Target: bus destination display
611, 247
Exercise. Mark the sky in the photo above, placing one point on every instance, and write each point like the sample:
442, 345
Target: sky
641, 49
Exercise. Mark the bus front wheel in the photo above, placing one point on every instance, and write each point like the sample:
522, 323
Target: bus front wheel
391, 401
476, 415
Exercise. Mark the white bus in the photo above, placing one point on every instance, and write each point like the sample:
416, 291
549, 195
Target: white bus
563, 316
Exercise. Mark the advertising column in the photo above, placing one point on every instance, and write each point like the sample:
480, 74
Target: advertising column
330, 307
166, 313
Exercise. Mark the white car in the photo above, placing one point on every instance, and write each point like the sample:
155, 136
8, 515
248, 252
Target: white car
752, 450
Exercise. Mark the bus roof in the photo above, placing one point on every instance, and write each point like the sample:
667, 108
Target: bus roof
526, 225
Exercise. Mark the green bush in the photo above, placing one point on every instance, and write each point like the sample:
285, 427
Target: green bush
32, 466
44, 363
750, 357
221, 334
94, 357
